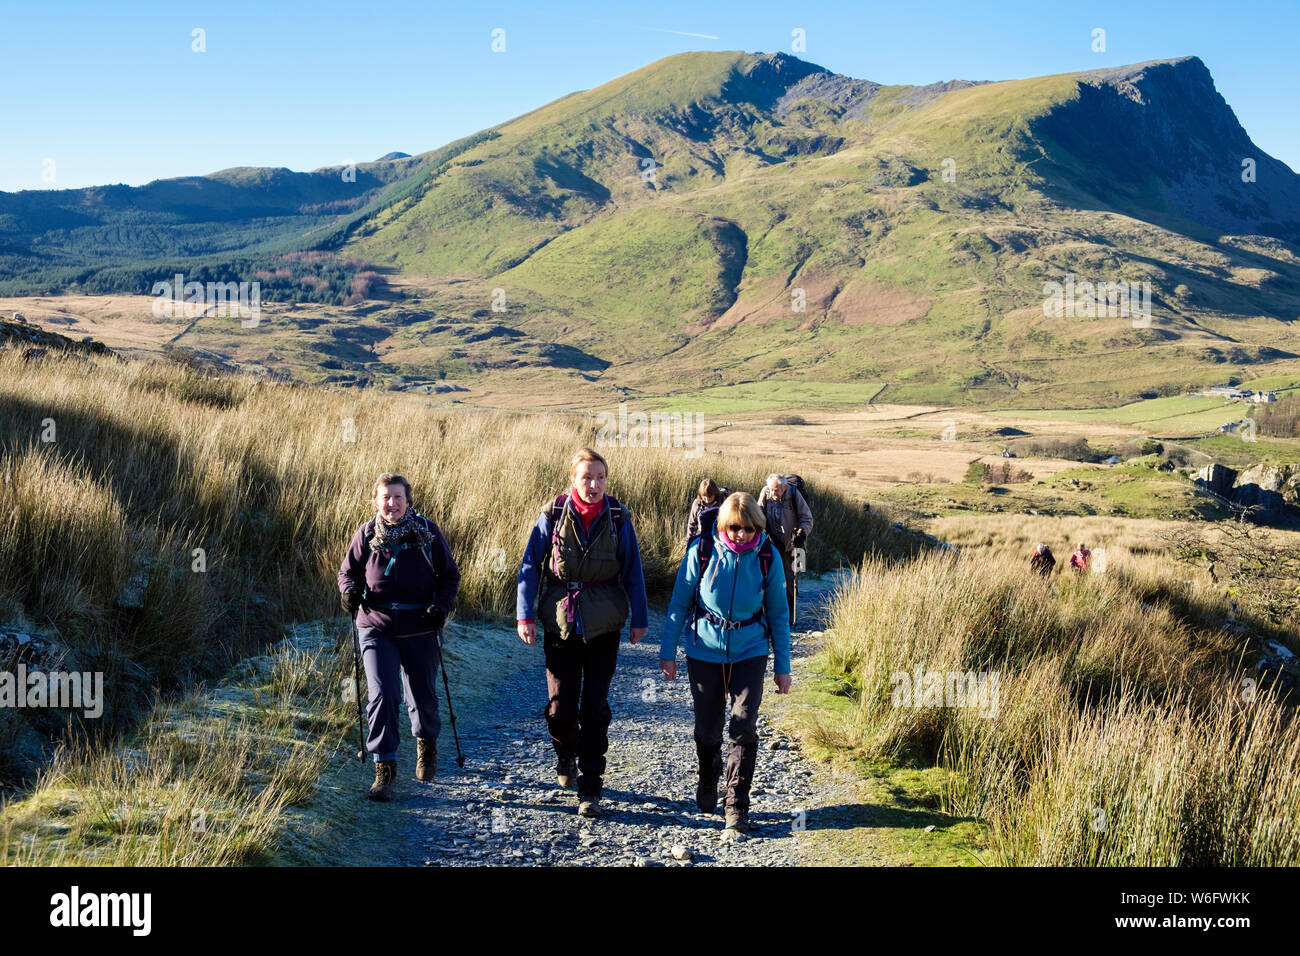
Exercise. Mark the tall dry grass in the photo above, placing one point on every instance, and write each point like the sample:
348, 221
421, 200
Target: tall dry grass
177, 520
1127, 730
210, 780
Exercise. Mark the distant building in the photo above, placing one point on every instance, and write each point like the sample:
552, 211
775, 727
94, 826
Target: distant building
1263, 398
1230, 391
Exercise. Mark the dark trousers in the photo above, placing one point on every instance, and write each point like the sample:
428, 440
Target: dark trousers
399, 669
714, 689
578, 674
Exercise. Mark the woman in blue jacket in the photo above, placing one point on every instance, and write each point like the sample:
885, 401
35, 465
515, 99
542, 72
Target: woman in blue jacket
730, 617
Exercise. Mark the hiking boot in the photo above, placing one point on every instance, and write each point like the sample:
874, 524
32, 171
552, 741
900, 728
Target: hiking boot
589, 807
706, 793
566, 774
738, 820
426, 759
385, 780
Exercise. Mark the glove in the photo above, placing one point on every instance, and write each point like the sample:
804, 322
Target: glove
800, 536
436, 616
351, 599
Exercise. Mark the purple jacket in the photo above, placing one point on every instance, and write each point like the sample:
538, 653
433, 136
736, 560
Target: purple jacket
410, 581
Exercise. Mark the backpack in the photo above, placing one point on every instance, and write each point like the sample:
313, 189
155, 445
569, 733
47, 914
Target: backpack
427, 551
703, 544
794, 481
555, 510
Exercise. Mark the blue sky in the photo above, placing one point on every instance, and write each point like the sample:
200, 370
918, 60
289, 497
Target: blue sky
115, 93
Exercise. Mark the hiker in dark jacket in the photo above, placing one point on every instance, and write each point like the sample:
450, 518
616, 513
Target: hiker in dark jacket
789, 521
400, 581
731, 616
580, 576
709, 496
1043, 561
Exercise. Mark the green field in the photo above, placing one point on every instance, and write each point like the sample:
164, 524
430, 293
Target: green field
772, 394
1175, 415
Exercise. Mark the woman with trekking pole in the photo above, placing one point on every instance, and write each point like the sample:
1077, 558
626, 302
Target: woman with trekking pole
580, 577
729, 603
399, 582
789, 522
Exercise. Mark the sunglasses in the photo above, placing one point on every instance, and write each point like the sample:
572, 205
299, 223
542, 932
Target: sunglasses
739, 527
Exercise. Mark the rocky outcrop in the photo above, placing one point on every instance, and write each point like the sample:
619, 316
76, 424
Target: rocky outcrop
1217, 478
1268, 491
36, 342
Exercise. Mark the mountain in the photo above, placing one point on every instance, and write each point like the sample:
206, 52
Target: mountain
661, 231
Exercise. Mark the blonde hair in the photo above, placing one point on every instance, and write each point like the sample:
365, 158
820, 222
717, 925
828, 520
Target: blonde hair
586, 454
741, 508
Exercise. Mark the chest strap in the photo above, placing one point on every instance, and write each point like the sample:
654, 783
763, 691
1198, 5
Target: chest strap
725, 624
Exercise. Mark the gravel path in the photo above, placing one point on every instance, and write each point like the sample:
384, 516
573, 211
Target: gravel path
505, 808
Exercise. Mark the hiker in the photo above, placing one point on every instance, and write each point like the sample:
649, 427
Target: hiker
1043, 561
580, 572
731, 614
1079, 560
709, 496
788, 522
399, 581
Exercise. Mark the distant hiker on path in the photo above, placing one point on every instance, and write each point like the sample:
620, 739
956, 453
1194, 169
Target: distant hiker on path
731, 614
1079, 560
709, 496
400, 575
788, 523
1043, 561
583, 558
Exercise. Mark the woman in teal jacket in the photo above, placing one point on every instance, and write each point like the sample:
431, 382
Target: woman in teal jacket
731, 617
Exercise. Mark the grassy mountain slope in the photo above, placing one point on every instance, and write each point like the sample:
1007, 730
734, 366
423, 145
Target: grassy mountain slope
837, 187
715, 218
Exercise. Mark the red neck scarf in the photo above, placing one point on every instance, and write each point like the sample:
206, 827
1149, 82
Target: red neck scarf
588, 513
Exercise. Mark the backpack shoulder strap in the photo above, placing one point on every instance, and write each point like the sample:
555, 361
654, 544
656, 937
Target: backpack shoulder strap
617, 513
765, 558
704, 548
427, 550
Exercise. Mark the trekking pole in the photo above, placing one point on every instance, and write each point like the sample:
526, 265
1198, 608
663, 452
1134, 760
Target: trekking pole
356, 674
460, 757
795, 602
796, 560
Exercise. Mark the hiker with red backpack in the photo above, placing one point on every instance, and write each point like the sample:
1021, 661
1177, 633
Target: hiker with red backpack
727, 603
1079, 560
789, 521
708, 496
399, 582
580, 577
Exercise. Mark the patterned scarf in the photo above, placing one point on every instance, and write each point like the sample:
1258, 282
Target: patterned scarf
408, 530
